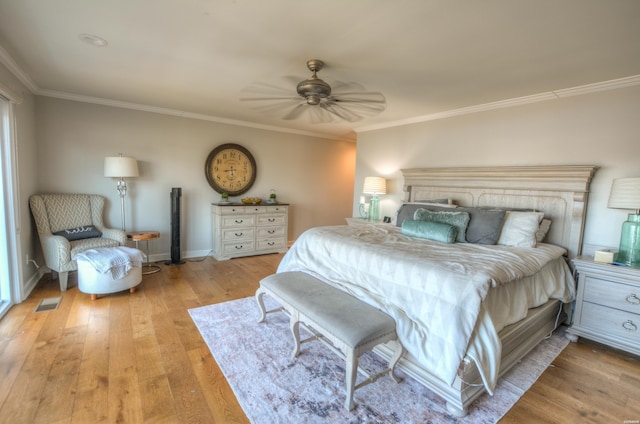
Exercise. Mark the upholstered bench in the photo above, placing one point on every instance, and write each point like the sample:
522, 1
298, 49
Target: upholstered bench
347, 325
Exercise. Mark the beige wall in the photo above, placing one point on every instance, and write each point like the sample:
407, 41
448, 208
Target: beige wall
600, 129
314, 175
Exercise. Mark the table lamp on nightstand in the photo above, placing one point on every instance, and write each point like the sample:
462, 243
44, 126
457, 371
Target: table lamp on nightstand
625, 194
374, 186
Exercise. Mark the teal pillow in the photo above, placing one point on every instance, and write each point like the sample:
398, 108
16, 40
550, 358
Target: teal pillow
460, 220
431, 230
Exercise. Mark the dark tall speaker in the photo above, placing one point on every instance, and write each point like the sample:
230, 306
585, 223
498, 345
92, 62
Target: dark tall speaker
176, 194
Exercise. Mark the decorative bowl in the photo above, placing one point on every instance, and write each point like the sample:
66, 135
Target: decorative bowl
251, 200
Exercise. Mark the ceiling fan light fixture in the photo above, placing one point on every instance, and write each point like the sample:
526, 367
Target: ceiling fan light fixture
314, 89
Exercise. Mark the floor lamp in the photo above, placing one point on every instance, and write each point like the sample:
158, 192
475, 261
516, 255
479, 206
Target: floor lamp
121, 167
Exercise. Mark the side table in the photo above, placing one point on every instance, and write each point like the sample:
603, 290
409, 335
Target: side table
139, 236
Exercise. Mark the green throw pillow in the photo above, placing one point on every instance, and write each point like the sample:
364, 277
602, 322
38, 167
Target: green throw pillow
460, 220
436, 231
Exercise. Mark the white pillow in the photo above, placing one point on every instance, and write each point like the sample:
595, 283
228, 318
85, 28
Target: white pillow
519, 228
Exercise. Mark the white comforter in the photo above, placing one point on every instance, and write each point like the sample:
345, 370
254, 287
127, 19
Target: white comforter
434, 291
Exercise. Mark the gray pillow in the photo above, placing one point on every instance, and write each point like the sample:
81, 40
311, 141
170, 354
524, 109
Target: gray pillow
458, 219
484, 225
78, 233
431, 230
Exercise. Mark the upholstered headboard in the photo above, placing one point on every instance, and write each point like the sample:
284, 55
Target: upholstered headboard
561, 192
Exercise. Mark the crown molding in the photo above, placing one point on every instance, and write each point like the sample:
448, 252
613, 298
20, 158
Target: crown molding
518, 101
12, 66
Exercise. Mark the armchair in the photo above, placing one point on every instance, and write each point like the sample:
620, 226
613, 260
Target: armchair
81, 213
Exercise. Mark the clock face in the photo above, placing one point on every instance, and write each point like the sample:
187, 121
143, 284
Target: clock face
230, 168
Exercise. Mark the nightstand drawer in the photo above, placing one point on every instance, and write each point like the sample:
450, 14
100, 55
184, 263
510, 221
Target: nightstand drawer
610, 321
612, 294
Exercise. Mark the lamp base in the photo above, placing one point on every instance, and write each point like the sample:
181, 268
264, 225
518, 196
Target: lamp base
629, 252
374, 208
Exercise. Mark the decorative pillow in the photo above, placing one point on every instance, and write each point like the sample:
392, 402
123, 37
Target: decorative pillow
519, 228
545, 225
407, 210
484, 225
431, 230
83, 232
460, 220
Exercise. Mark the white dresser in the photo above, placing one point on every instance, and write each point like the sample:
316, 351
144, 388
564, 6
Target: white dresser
607, 304
247, 230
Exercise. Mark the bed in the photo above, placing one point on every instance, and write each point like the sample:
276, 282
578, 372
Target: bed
464, 318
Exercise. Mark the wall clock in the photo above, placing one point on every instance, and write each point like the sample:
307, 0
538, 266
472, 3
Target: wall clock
230, 168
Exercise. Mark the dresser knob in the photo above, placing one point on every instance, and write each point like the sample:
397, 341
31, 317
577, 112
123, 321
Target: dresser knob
239, 221
238, 234
633, 299
629, 325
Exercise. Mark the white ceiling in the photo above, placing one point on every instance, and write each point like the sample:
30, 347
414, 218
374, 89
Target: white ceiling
426, 56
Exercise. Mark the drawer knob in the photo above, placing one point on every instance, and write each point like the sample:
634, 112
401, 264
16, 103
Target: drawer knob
238, 234
272, 220
239, 221
629, 325
271, 231
633, 299
271, 243
239, 247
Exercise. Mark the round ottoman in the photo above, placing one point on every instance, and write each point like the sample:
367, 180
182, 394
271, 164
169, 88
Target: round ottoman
93, 282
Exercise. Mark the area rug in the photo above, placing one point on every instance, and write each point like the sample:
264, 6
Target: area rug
273, 388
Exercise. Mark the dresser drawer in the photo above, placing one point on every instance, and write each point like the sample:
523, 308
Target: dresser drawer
271, 219
231, 210
615, 295
610, 321
271, 244
266, 232
229, 221
239, 233
241, 247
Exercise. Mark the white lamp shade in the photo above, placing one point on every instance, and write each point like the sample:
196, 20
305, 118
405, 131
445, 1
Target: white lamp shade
625, 194
120, 167
375, 185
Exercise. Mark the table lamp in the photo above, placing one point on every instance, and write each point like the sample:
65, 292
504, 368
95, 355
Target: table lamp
625, 194
374, 186
121, 167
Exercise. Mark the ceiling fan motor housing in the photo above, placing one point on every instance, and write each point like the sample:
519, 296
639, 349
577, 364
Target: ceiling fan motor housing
313, 88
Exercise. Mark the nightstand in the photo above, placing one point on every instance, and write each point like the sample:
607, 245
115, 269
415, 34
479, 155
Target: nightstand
607, 304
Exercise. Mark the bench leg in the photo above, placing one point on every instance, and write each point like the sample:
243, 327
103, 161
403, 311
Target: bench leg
350, 377
294, 325
399, 351
263, 311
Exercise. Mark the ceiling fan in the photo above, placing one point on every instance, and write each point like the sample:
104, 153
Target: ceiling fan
317, 99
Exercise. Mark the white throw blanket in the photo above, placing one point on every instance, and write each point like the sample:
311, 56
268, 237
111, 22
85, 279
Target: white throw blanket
117, 260
434, 291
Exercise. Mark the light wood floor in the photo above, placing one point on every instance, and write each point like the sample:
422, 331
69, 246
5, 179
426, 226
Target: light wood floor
133, 358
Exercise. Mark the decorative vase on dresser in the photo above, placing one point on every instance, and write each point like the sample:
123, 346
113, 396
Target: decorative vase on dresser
247, 230
607, 304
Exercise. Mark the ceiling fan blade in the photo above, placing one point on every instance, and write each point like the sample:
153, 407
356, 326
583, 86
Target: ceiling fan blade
340, 111
359, 97
295, 112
